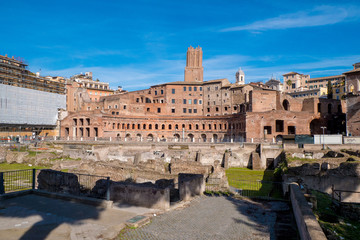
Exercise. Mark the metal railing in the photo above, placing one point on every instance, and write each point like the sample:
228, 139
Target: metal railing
18, 180
93, 185
88, 185
337, 194
258, 189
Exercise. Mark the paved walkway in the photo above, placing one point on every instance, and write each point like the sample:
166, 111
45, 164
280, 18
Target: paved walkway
215, 218
36, 217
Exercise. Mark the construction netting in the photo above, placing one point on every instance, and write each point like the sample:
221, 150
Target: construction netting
27, 106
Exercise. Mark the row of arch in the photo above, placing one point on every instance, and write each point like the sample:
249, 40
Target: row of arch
190, 137
145, 126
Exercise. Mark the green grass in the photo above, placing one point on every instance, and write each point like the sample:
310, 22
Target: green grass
254, 183
304, 160
341, 227
248, 174
17, 166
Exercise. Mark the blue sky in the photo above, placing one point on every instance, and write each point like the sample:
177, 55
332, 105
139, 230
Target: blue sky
136, 44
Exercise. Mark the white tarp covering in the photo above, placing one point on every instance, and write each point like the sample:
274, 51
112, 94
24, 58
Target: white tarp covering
27, 106
328, 139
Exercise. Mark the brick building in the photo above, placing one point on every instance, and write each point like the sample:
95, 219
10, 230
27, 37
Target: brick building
29, 103
197, 110
352, 86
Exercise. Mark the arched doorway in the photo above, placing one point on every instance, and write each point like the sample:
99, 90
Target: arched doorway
286, 105
215, 137
279, 138
191, 137
203, 137
315, 126
128, 137
176, 137
138, 137
150, 138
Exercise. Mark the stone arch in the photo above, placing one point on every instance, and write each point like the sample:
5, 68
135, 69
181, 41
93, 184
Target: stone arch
279, 138
286, 105
176, 126
170, 126
203, 137
351, 88
315, 126
128, 137
156, 126
242, 108
138, 137
163, 126
176, 137
150, 138
339, 108
191, 137
215, 137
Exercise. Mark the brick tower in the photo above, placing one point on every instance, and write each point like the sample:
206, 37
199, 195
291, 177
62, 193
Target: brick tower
194, 69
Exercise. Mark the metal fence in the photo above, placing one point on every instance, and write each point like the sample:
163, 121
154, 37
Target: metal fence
342, 195
89, 185
93, 185
11, 181
258, 189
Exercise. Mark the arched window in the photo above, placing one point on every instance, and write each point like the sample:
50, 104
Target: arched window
150, 126
156, 126
339, 108
163, 126
144, 126
176, 127
286, 105
190, 127
170, 126
197, 126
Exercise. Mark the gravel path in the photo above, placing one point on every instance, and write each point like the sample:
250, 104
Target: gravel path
210, 218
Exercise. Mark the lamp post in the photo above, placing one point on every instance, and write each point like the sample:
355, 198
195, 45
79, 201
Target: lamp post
323, 128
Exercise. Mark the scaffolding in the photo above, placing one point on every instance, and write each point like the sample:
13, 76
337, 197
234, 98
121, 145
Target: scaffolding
14, 73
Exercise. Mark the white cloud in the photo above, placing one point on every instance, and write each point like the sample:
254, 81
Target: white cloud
319, 16
136, 77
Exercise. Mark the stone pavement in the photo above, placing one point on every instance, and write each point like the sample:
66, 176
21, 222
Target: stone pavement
36, 217
217, 218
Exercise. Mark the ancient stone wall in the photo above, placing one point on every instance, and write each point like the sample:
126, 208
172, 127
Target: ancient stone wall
58, 182
313, 176
146, 195
136, 152
190, 185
